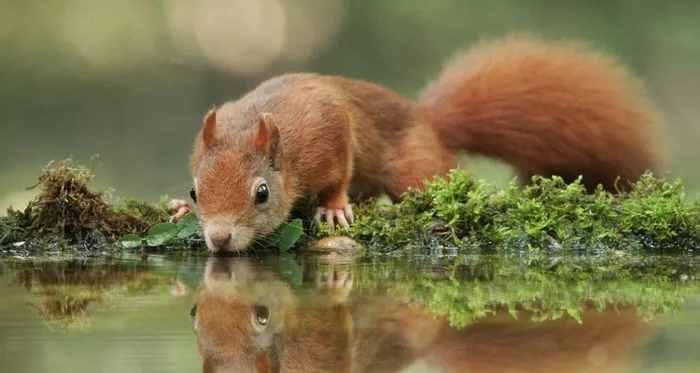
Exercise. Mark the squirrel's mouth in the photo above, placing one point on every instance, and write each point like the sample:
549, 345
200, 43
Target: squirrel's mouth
226, 238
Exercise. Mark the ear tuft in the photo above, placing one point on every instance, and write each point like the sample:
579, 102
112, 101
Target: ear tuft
266, 138
209, 128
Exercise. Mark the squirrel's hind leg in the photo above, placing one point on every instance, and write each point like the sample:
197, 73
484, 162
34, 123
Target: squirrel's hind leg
419, 158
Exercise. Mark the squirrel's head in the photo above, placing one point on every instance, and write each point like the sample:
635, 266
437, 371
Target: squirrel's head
238, 184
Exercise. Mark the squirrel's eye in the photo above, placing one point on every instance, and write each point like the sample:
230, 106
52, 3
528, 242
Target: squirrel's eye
262, 192
193, 195
262, 315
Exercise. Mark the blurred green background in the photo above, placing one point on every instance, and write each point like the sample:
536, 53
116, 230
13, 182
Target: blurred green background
130, 79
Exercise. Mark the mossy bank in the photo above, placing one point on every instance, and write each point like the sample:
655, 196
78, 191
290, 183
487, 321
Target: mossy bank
460, 213
456, 214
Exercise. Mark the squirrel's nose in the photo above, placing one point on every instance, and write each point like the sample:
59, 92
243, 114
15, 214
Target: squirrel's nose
220, 240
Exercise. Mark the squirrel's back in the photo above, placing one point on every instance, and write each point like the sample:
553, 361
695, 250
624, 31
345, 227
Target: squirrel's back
547, 108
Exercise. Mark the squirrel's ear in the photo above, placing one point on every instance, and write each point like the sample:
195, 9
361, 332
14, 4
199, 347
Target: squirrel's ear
266, 139
209, 128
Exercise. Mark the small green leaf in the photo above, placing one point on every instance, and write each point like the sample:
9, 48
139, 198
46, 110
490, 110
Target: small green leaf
160, 234
130, 241
288, 234
187, 226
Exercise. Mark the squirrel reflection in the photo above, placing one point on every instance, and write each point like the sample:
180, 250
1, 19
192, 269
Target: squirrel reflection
248, 319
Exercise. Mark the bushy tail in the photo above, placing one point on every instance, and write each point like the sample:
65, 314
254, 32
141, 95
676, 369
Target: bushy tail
546, 108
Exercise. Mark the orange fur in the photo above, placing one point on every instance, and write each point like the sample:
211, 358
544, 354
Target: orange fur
545, 108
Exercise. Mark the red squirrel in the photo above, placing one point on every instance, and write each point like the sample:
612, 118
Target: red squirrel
545, 108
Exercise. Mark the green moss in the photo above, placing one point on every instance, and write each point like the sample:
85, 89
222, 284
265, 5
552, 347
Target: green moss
463, 213
67, 211
456, 213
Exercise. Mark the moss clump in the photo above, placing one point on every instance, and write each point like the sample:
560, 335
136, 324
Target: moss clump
65, 209
460, 212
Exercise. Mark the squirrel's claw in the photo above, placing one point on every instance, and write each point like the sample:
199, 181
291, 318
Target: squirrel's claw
178, 208
340, 216
319, 212
343, 216
348, 213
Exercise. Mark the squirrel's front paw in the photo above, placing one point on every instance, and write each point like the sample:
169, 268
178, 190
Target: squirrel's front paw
341, 216
178, 208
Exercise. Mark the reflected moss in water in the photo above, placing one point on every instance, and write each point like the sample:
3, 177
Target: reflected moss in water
467, 313
470, 288
67, 291
467, 288
332, 312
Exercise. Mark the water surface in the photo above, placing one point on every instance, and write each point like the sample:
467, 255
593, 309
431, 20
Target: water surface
283, 313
